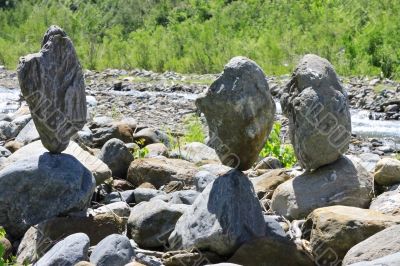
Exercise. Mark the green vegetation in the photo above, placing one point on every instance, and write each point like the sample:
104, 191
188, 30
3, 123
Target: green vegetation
142, 151
193, 130
2, 234
3, 262
381, 87
275, 147
358, 36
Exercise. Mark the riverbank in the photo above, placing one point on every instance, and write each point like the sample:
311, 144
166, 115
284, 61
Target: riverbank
163, 100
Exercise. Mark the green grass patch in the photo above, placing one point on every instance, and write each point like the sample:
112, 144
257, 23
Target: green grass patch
378, 88
274, 147
193, 130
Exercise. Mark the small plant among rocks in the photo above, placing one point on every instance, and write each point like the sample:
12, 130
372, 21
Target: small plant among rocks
141, 152
2, 234
193, 130
275, 147
10, 261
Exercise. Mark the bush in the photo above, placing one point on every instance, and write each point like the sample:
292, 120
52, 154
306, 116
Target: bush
358, 37
274, 147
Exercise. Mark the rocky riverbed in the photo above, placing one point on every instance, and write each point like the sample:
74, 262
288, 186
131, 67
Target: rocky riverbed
122, 192
163, 100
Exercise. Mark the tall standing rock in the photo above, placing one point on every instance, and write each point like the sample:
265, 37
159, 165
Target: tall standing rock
319, 119
239, 110
53, 85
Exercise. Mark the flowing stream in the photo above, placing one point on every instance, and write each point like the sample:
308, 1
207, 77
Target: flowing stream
387, 130
9, 100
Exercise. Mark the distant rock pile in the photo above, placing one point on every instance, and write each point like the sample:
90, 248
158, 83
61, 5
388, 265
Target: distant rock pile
240, 111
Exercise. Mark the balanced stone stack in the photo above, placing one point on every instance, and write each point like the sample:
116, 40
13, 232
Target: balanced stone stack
319, 119
45, 185
53, 85
239, 110
320, 129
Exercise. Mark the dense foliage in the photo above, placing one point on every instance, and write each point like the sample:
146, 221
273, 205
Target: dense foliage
358, 36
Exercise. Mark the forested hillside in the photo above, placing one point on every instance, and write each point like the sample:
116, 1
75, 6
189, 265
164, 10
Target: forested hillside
360, 37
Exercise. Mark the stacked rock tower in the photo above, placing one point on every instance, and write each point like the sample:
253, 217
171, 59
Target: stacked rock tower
52, 83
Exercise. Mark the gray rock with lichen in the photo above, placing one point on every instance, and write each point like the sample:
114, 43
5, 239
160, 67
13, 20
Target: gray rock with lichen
52, 83
240, 111
316, 104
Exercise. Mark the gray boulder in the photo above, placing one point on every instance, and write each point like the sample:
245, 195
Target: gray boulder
387, 172
157, 149
4, 152
343, 182
114, 250
84, 136
184, 197
11, 129
388, 202
54, 89
118, 130
67, 252
148, 136
96, 224
334, 230
5, 130
28, 134
369, 160
117, 156
316, 104
272, 228
224, 216
240, 111
151, 223
196, 152
381, 244
389, 260
40, 187
127, 196
207, 174
146, 194
160, 171
268, 251
99, 169
120, 209
202, 179
269, 163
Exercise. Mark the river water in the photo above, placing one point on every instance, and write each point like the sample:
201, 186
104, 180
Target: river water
8, 100
387, 130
